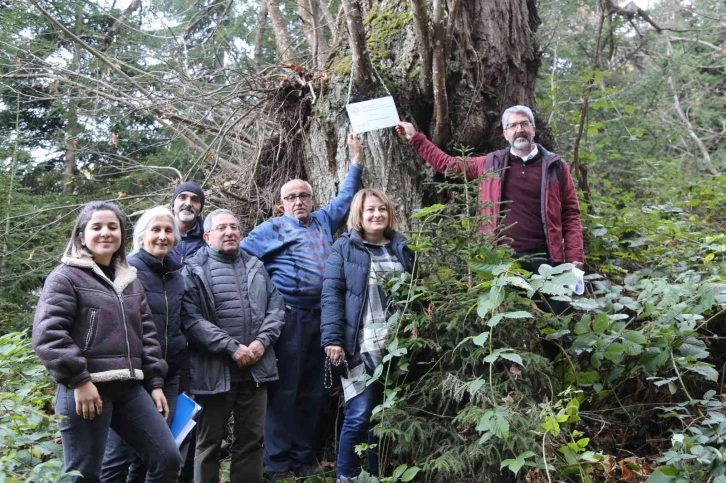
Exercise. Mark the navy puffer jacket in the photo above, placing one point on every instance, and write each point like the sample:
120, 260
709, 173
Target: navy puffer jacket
345, 287
164, 287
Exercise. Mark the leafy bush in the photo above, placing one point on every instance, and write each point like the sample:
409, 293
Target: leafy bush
30, 447
488, 387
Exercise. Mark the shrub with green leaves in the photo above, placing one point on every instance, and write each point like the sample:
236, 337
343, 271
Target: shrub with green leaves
487, 387
30, 447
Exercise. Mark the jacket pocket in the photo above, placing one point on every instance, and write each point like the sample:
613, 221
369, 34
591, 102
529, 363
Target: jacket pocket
92, 325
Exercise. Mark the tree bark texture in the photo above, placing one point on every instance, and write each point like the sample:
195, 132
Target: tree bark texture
492, 65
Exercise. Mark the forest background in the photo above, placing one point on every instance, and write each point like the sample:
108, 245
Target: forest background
118, 101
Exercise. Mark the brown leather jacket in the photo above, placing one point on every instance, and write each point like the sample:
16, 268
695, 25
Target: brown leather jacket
89, 328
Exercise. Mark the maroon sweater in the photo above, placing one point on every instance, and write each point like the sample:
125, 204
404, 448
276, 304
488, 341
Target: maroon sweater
559, 208
521, 207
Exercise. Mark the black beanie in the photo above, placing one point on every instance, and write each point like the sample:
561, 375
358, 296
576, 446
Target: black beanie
190, 186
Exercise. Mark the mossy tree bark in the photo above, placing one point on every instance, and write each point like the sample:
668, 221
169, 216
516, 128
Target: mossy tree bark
491, 64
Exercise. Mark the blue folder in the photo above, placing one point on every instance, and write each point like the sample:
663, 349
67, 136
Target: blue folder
182, 421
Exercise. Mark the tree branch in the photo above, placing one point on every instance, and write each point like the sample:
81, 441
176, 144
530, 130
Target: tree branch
356, 34
260, 34
453, 11
577, 165
706, 160
285, 50
421, 23
120, 21
630, 11
440, 132
329, 20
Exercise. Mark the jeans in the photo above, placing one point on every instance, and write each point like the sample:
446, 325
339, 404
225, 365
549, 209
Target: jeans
120, 462
247, 400
357, 430
128, 410
295, 400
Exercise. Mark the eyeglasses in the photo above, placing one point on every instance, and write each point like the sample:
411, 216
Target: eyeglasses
523, 125
224, 228
302, 196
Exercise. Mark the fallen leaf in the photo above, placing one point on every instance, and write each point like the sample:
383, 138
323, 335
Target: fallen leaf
608, 466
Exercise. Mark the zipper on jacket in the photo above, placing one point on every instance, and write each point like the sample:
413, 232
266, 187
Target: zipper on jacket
126, 333
166, 327
91, 325
543, 206
365, 297
126, 328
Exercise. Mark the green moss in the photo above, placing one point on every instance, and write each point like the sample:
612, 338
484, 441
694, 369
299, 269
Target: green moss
342, 65
384, 25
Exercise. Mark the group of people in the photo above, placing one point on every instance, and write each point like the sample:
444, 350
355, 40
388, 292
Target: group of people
246, 325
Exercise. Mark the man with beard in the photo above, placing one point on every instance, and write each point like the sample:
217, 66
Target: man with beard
531, 195
187, 203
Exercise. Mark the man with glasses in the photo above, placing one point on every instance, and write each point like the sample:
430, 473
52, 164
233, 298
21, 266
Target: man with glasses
232, 315
294, 248
531, 192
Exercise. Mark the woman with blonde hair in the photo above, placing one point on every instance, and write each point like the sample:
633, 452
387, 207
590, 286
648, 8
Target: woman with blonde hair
94, 333
355, 314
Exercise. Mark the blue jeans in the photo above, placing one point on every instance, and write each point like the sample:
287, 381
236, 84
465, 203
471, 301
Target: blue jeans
294, 402
128, 410
357, 430
120, 462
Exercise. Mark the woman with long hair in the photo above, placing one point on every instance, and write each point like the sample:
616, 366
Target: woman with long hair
94, 333
155, 235
355, 315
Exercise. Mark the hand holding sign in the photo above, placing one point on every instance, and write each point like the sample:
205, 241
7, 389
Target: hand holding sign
356, 149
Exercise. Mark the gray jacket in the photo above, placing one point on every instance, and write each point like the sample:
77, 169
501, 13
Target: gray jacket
214, 337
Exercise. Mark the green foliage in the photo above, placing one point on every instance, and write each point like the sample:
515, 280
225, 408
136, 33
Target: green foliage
474, 392
29, 439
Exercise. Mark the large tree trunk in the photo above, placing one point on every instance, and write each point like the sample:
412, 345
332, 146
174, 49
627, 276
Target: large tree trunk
492, 65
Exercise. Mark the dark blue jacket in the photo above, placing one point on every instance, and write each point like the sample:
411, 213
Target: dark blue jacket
164, 287
345, 287
190, 243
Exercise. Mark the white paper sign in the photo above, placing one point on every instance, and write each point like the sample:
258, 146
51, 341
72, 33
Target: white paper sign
371, 115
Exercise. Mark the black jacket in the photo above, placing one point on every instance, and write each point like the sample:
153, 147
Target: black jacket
214, 336
164, 288
190, 243
345, 287
87, 327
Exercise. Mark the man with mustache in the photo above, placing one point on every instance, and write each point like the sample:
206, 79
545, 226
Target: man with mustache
530, 203
294, 248
187, 203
